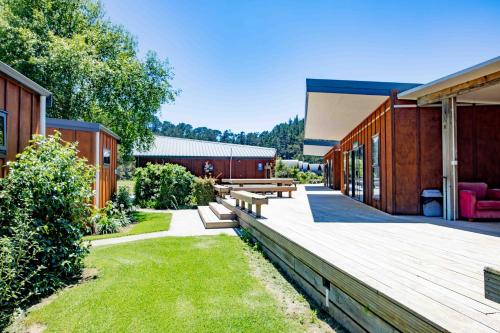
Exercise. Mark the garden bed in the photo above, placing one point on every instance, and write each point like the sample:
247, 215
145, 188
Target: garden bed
147, 222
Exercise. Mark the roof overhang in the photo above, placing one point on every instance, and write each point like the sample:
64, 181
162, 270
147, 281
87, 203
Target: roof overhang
20, 78
78, 125
477, 84
335, 107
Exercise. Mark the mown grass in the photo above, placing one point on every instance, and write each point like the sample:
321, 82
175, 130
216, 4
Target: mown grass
146, 223
188, 284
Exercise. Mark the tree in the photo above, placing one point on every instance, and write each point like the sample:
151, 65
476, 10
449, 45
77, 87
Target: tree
89, 64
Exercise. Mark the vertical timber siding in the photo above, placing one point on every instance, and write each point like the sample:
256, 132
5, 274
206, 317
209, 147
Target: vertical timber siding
107, 186
23, 117
242, 168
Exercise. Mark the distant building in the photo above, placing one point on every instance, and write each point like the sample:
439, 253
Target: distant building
208, 158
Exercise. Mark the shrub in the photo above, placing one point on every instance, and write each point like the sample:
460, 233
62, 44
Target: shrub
48, 195
107, 225
203, 191
163, 186
123, 200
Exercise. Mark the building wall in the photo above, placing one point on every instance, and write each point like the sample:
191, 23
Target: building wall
23, 117
333, 158
478, 137
241, 168
410, 154
417, 155
378, 122
108, 182
87, 149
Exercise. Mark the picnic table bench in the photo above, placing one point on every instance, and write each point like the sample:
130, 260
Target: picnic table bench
223, 190
260, 181
248, 198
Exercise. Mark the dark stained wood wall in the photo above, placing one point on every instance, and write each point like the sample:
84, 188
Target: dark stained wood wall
478, 137
334, 158
378, 122
23, 117
242, 168
417, 155
410, 154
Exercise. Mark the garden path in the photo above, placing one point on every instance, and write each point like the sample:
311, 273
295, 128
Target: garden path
185, 222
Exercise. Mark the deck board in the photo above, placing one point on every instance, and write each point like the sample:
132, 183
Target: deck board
433, 269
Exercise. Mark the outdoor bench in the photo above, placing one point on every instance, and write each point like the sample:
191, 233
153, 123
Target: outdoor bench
245, 197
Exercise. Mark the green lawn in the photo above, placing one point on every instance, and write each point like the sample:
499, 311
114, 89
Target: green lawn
146, 222
185, 284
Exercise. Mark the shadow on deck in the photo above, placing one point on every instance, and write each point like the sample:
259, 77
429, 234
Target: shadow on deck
329, 206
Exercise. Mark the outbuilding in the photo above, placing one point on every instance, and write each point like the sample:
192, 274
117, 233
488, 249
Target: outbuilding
212, 159
390, 141
22, 112
97, 144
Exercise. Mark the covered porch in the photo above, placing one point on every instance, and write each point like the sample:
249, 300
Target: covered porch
470, 116
378, 272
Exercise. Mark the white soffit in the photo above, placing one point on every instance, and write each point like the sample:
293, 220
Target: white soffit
331, 116
316, 150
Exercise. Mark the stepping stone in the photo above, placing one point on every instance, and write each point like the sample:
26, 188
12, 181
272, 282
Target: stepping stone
211, 221
221, 212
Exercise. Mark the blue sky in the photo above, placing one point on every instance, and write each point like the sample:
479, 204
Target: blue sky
242, 65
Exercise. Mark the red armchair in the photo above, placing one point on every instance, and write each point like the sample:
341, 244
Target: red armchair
476, 201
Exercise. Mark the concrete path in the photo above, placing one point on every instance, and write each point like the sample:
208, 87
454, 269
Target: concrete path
185, 222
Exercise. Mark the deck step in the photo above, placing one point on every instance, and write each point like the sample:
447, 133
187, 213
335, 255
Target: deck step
221, 212
211, 221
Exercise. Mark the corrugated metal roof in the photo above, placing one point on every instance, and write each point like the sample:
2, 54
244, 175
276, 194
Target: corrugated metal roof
165, 146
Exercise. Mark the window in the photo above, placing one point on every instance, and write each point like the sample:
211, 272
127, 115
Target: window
3, 132
376, 167
106, 157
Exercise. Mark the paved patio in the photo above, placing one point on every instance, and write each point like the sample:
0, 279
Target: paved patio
185, 222
428, 267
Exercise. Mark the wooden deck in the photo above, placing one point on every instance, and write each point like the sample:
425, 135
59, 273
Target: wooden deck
382, 272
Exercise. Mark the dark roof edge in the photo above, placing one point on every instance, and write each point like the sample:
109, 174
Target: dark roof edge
356, 87
320, 142
80, 126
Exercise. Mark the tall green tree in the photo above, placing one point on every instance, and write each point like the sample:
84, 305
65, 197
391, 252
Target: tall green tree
90, 65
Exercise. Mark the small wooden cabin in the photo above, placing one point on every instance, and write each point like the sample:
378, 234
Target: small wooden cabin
213, 159
22, 112
99, 146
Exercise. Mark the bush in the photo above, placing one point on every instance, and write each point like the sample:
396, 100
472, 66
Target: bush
203, 191
308, 177
45, 201
163, 186
107, 225
123, 200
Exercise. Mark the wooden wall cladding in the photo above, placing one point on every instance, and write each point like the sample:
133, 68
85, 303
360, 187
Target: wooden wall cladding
334, 158
377, 123
23, 117
241, 168
108, 182
418, 156
85, 140
478, 138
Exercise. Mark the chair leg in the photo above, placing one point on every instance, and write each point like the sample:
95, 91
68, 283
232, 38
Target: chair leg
257, 210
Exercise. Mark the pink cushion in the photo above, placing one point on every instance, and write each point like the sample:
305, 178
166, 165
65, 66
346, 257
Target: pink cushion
480, 188
488, 205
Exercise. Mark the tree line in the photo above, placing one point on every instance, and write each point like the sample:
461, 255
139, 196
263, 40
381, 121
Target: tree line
286, 137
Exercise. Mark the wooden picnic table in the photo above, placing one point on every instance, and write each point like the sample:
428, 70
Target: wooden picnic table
258, 181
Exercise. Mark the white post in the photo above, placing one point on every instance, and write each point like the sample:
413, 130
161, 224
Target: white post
98, 166
450, 160
43, 112
231, 165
